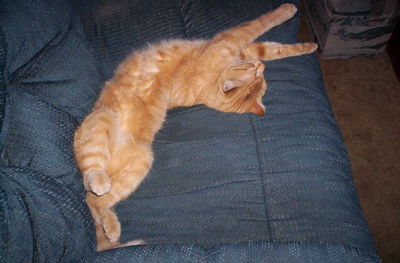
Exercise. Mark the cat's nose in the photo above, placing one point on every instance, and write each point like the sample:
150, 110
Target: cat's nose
257, 109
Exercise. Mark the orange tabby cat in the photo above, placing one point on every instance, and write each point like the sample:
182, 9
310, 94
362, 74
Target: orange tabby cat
113, 144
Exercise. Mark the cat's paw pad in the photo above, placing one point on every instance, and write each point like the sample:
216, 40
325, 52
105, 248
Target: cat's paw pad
98, 182
288, 9
112, 229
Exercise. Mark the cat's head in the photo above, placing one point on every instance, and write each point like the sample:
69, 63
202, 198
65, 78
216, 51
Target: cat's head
240, 88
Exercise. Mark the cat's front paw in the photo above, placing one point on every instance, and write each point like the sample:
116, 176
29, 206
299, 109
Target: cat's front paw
98, 182
310, 47
288, 10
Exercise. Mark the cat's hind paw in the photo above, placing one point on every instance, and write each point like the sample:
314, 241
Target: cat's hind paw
112, 228
98, 182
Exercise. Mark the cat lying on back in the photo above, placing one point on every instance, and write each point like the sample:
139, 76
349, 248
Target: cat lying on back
113, 144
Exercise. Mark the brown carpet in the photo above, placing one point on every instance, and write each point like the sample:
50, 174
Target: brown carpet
365, 98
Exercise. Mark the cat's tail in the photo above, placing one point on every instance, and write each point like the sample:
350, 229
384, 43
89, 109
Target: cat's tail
103, 243
92, 150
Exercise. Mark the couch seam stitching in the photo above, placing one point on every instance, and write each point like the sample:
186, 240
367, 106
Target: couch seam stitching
261, 179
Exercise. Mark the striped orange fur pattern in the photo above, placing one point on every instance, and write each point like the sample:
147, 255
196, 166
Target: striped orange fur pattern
113, 144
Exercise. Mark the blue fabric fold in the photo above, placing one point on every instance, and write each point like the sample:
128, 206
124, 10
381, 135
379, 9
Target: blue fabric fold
42, 220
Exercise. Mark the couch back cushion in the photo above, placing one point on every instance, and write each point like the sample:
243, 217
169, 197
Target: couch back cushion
50, 80
41, 220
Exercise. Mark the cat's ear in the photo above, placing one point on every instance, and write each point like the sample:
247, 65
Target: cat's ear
230, 85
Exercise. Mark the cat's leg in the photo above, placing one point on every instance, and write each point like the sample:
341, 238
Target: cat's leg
91, 147
131, 163
244, 34
102, 241
273, 50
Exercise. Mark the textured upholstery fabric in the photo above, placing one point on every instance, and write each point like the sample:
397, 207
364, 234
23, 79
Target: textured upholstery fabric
223, 188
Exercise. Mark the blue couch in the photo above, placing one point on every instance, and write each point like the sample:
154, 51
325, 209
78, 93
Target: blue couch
223, 188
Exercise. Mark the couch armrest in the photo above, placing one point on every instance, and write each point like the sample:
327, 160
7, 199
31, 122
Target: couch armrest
343, 7
41, 220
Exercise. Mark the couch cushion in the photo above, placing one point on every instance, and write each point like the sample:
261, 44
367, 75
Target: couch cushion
51, 81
